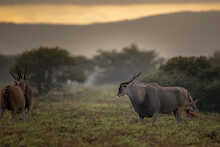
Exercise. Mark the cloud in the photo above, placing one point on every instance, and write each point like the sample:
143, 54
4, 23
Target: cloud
101, 2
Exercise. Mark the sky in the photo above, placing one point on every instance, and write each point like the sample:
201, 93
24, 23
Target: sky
83, 12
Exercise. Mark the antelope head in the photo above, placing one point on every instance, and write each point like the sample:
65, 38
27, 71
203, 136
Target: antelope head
19, 79
123, 85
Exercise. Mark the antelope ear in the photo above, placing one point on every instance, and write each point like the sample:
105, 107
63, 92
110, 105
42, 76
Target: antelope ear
13, 76
15, 82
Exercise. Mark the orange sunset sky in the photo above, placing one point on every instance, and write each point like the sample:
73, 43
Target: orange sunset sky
76, 12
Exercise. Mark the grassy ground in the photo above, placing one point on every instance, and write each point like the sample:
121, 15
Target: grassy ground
96, 117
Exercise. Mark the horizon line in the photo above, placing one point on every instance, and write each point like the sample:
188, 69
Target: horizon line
109, 22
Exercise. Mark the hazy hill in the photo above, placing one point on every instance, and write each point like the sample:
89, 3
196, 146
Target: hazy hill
185, 33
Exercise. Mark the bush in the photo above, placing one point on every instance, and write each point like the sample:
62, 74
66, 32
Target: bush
212, 100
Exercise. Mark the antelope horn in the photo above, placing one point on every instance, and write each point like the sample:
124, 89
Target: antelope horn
22, 76
132, 78
19, 76
25, 72
13, 76
137, 75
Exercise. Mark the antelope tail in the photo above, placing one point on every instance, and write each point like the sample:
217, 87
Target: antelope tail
189, 97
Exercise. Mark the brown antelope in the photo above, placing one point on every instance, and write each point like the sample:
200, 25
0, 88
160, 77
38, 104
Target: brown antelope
28, 90
16, 98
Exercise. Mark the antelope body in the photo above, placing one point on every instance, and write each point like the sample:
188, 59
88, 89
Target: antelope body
149, 100
12, 98
16, 98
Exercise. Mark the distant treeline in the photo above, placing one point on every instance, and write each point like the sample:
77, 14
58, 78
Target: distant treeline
200, 75
52, 67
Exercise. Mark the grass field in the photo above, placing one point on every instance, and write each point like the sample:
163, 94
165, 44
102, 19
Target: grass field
95, 117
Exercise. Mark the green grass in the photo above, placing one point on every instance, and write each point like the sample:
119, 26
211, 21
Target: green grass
95, 117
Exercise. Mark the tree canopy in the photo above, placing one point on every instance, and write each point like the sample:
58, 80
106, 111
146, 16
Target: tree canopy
46, 66
117, 66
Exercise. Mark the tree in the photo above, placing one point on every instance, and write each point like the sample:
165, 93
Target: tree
187, 65
119, 66
45, 65
85, 64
